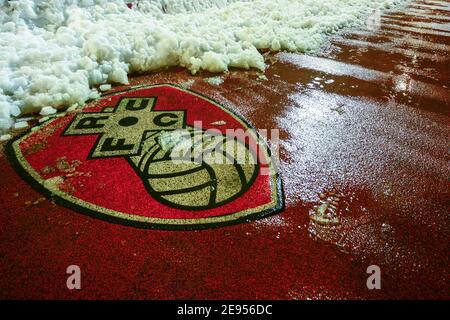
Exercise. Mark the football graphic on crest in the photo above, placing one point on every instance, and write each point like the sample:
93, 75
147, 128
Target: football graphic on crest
158, 157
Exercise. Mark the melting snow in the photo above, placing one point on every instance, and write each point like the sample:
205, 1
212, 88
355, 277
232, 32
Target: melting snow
54, 52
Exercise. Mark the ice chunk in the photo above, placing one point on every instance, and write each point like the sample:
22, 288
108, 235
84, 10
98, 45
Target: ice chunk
5, 137
47, 111
105, 87
20, 125
214, 80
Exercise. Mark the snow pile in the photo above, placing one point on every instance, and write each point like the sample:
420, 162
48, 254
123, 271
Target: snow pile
179, 6
53, 52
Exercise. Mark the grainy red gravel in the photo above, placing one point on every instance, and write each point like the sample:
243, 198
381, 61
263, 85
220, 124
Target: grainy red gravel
365, 124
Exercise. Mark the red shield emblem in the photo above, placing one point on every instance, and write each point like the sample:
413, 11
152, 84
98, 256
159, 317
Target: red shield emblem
157, 157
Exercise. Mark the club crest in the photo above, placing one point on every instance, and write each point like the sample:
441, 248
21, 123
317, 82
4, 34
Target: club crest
156, 157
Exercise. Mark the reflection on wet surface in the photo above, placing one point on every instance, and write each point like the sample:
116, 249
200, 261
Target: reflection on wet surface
368, 120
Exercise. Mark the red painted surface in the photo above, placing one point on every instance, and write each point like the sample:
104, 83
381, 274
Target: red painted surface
377, 137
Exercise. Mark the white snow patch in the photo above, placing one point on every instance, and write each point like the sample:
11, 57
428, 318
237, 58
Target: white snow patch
105, 87
20, 125
216, 81
45, 111
5, 137
262, 77
53, 52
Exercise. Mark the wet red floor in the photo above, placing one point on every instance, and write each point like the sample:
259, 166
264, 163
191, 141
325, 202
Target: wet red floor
364, 136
